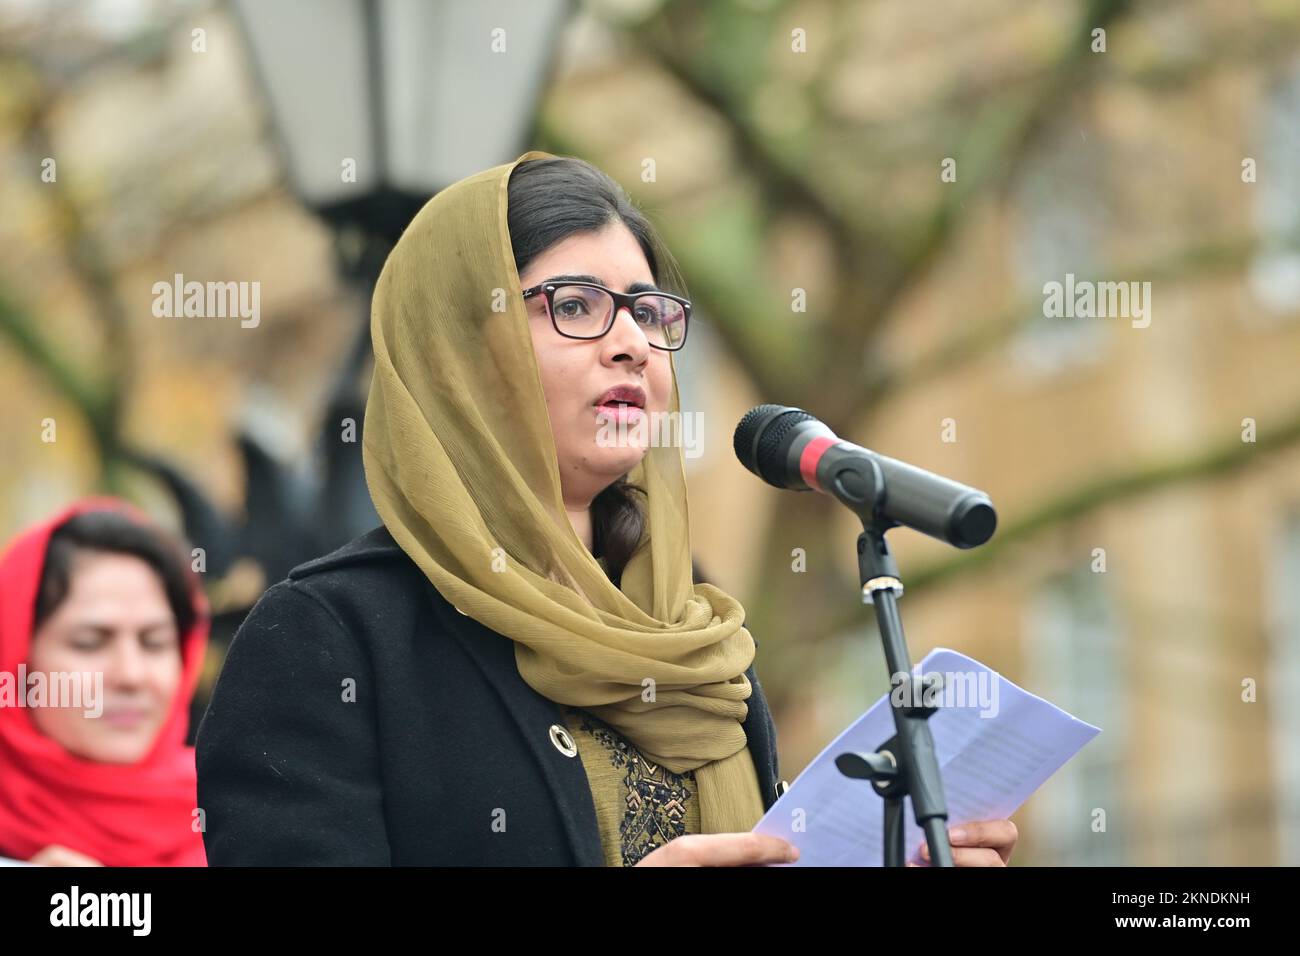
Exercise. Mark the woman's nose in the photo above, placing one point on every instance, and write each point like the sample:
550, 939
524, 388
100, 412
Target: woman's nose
126, 664
626, 337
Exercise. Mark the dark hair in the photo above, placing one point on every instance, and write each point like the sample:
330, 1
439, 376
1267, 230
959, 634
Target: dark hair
548, 201
112, 532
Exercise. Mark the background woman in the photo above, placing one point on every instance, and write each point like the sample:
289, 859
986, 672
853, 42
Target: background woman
98, 590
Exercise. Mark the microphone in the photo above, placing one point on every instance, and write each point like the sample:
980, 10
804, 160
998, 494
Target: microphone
789, 448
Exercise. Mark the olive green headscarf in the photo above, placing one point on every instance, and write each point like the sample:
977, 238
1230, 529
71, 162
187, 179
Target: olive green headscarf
461, 464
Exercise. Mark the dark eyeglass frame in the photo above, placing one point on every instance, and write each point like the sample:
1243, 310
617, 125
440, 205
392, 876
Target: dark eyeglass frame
621, 300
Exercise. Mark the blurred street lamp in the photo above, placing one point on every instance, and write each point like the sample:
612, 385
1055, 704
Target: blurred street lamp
378, 104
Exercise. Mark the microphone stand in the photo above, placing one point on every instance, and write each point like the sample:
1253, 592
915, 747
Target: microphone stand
905, 764
789, 448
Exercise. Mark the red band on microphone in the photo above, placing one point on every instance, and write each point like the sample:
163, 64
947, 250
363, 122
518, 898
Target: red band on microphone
811, 455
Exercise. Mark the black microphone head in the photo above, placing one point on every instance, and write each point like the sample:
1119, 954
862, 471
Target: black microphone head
974, 522
759, 436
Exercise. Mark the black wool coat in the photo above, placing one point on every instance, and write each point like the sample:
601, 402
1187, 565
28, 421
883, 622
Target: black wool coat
360, 719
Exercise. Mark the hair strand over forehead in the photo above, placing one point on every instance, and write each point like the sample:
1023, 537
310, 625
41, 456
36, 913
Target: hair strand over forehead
553, 199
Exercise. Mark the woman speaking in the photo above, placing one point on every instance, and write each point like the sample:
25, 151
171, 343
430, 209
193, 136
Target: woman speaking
517, 667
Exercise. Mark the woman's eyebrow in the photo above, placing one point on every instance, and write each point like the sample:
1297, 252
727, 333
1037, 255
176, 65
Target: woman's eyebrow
634, 287
94, 627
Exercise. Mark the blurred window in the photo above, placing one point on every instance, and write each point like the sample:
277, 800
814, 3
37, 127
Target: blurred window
1058, 229
1274, 274
1282, 691
1075, 656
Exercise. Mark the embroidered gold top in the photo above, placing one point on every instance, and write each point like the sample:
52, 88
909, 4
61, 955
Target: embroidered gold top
639, 806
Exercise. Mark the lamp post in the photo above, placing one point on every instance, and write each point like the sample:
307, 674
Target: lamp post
376, 105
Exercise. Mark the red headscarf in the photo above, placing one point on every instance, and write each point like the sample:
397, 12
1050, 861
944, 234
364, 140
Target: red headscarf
137, 814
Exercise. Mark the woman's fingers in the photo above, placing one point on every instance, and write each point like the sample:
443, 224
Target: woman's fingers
1000, 835
977, 856
970, 856
723, 849
982, 843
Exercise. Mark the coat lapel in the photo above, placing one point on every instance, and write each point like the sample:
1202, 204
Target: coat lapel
762, 741
565, 776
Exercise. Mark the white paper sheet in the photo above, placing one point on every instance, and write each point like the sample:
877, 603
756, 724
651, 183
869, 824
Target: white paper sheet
996, 743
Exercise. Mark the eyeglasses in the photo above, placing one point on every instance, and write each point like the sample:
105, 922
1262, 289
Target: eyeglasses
584, 310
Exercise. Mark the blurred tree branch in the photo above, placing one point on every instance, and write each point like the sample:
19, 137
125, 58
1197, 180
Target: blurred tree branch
1196, 261
875, 272
1216, 461
997, 144
98, 399
19, 327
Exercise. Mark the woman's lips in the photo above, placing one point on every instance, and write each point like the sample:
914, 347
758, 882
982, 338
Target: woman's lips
125, 718
620, 413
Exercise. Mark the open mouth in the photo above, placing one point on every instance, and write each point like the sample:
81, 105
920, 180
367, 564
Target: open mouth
622, 396
620, 411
